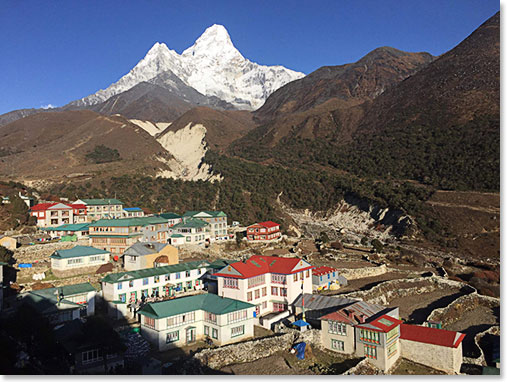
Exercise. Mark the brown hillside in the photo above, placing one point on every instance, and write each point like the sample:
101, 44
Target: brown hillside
53, 146
359, 81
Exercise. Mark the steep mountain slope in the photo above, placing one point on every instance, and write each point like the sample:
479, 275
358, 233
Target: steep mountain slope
439, 126
442, 125
212, 66
362, 80
190, 137
50, 147
330, 102
222, 127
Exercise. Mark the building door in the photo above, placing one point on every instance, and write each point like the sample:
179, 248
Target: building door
190, 335
133, 296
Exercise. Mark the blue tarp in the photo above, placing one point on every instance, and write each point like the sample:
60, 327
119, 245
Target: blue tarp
25, 265
300, 323
300, 349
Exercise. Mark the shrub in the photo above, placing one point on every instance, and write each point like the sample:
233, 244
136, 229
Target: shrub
103, 154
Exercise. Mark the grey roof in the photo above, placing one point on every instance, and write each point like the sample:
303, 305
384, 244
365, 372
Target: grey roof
143, 249
319, 302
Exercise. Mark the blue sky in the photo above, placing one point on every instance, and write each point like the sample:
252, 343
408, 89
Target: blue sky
54, 52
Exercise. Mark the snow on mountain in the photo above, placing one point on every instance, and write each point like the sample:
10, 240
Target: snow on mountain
212, 66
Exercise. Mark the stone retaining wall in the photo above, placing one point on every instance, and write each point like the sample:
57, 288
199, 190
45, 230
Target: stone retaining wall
250, 351
359, 273
454, 310
385, 292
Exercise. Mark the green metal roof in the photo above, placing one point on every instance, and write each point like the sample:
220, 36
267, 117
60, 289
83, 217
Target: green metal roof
191, 223
45, 301
177, 235
157, 271
77, 251
208, 302
129, 222
101, 202
221, 263
70, 227
169, 215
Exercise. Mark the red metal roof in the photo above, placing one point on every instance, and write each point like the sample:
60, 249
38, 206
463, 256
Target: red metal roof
259, 265
339, 316
383, 323
78, 206
432, 336
42, 206
269, 224
323, 270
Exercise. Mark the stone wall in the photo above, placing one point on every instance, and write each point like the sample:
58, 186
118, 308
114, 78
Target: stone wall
250, 351
358, 273
455, 310
387, 291
442, 358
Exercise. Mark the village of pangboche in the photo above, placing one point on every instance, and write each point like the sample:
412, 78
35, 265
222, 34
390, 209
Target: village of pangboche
197, 293
205, 213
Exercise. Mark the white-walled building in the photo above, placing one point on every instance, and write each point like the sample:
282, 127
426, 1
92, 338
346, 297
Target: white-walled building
78, 257
182, 321
125, 289
191, 231
270, 283
62, 304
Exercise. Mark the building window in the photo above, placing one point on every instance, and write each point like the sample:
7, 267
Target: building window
237, 316
283, 292
337, 328
274, 291
264, 291
229, 282
249, 296
257, 293
74, 261
214, 333
295, 277
370, 351
210, 317
131, 283
369, 336
119, 286
156, 279
181, 319
278, 279
149, 322
264, 304
206, 330
172, 337
393, 333
145, 281
338, 345
178, 276
91, 356
307, 273
279, 307
238, 331
255, 281
392, 349
167, 277
187, 274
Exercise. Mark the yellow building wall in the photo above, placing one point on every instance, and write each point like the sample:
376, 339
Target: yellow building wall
169, 251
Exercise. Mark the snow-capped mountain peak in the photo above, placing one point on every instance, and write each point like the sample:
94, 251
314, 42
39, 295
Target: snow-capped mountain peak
214, 42
212, 66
